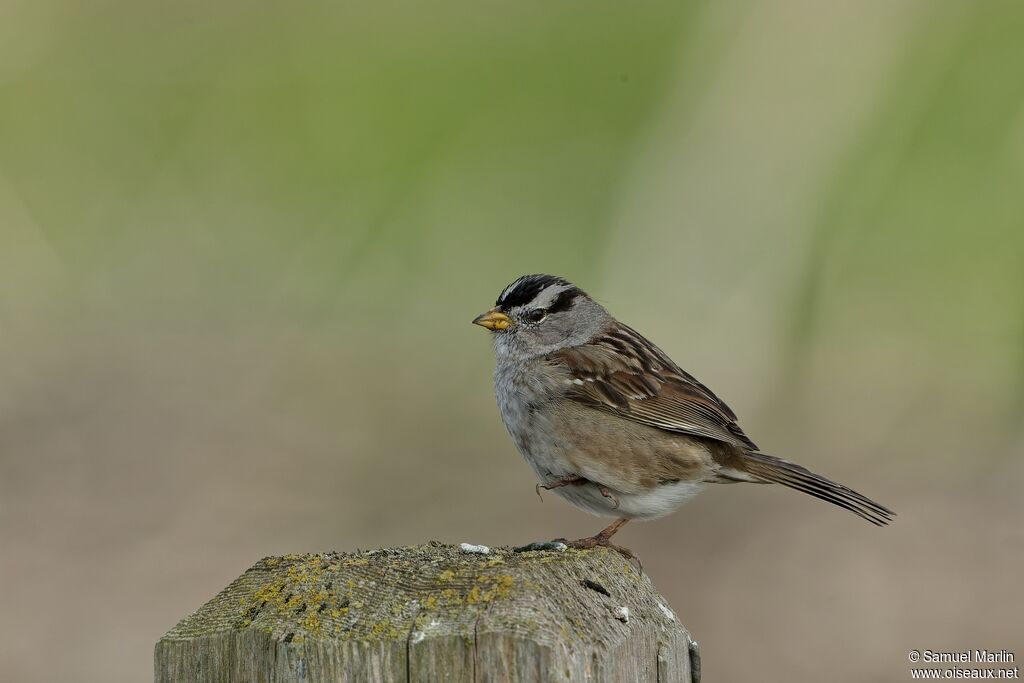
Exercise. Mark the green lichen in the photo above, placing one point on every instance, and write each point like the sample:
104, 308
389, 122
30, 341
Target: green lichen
377, 595
491, 588
302, 592
384, 629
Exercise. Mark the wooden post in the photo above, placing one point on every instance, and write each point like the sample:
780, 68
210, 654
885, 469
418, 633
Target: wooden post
433, 613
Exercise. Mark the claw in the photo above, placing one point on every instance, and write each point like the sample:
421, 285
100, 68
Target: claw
559, 483
603, 540
600, 542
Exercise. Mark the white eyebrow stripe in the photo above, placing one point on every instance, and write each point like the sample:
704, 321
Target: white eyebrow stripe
547, 296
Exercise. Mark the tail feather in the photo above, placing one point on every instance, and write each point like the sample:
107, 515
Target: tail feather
768, 468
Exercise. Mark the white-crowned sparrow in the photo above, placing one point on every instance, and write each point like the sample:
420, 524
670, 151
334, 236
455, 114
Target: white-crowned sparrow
610, 423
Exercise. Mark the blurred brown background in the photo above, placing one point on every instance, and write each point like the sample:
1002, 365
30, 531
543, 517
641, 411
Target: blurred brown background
240, 246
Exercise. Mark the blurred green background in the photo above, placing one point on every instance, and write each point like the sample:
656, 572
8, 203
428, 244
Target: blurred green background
241, 243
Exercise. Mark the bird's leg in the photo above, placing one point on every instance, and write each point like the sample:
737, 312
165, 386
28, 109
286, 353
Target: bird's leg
602, 539
609, 531
608, 494
559, 483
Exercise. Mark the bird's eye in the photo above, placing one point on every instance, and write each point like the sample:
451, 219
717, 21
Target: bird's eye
536, 315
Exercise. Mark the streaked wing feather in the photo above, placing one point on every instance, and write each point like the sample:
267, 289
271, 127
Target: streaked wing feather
623, 373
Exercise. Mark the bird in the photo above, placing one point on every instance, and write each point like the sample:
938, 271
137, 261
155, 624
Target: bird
612, 424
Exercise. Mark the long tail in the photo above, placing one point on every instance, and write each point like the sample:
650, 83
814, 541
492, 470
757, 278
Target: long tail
768, 468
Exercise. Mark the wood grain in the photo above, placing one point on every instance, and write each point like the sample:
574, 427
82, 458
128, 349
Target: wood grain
433, 613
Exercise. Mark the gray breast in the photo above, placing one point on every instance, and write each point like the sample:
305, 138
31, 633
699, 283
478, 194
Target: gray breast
524, 391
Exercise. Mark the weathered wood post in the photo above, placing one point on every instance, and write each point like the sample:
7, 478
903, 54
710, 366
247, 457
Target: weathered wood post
433, 613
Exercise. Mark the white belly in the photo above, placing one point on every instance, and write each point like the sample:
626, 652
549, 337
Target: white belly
647, 505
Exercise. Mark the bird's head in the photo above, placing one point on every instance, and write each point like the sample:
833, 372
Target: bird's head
539, 314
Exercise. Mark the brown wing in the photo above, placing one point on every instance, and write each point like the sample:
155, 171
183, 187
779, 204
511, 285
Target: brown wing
623, 373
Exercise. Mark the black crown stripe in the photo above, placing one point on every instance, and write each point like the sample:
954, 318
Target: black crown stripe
525, 289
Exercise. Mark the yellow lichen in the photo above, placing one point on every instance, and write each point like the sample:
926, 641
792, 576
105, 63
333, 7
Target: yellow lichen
312, 622
384, 628
309, 595
474, 596
268, 592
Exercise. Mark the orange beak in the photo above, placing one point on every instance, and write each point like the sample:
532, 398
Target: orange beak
494, 320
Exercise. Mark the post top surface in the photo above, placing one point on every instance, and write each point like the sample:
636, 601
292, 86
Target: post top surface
436, 590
